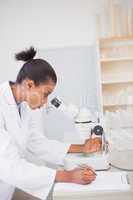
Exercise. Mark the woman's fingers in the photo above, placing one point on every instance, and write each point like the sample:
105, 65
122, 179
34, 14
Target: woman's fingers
88, 175
89, 178
93, 145
83, 175
87, 169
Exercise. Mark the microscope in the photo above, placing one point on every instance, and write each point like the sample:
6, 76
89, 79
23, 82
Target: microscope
98, 160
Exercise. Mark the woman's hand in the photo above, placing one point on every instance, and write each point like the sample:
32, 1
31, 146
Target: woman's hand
82, 176
92, 145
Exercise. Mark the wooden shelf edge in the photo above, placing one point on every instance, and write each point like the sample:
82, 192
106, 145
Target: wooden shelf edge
108, 39
117, 105
116, 82
116, 59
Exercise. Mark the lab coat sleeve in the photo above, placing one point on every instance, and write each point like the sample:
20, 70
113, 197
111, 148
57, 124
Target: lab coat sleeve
16, 171
51, 151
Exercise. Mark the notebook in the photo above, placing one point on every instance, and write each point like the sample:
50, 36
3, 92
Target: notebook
105, 181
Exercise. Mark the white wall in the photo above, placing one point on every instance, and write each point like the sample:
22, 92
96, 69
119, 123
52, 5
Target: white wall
43, 23
76, 69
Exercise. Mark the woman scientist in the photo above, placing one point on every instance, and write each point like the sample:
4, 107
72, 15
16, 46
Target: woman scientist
18, 136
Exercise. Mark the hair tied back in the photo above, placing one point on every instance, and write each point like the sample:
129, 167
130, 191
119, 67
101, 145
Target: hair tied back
26, 55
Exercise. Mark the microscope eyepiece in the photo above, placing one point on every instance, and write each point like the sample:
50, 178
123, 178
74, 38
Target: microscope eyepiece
56, 102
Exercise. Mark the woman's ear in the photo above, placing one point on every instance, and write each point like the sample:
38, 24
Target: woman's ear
29, 84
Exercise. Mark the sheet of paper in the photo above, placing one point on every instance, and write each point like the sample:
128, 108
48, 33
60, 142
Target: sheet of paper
104, 181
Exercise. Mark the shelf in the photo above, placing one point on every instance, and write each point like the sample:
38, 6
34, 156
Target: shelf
114, 108
116, 82
116, 38
116, 59
117, 105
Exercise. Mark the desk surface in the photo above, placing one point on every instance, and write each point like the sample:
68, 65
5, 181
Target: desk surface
98, 195
117, 158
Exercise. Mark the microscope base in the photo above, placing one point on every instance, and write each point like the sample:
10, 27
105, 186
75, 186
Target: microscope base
97, 161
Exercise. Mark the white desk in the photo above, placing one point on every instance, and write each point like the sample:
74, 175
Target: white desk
104, 195
96, 196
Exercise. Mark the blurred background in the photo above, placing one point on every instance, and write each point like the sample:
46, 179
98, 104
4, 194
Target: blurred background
90, 45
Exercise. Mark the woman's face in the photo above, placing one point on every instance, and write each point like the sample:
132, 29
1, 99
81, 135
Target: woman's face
37, 96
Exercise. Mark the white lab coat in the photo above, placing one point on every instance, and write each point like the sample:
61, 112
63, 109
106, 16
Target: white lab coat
17, 137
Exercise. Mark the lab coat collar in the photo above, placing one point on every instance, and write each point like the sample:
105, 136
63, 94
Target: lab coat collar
16, 125
10, 101
7, 92
8, 96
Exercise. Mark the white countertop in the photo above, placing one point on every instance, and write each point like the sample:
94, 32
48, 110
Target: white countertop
123, 158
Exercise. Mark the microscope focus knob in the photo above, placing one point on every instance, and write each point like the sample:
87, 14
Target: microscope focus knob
98, 130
